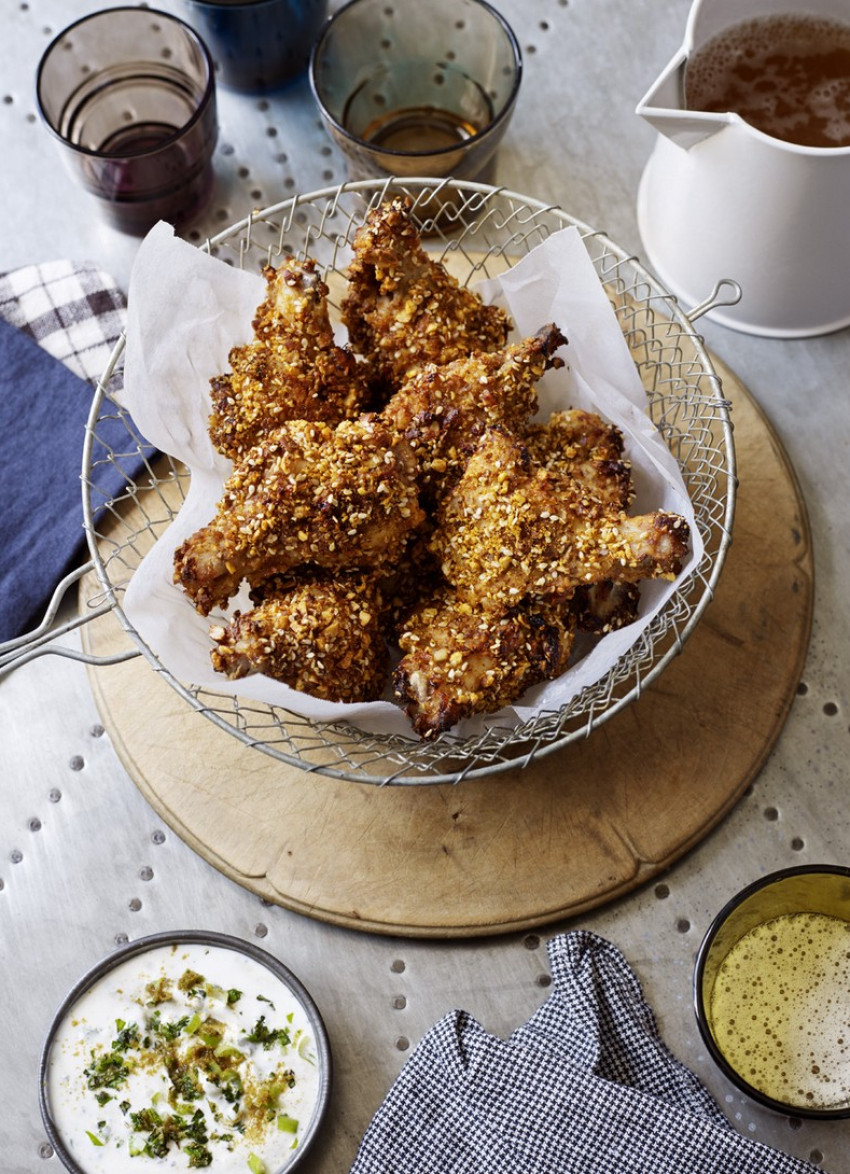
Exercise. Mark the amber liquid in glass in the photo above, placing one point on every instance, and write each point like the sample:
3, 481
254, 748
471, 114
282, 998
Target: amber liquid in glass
419, 129
788, 76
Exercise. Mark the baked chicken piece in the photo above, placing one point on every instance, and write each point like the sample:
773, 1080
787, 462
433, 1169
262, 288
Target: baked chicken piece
322, 636
581, 445
291, 370
403, 309
462, 659
343, 497
510, 529
442, 409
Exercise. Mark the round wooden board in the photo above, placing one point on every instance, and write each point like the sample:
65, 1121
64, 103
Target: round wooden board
572, 830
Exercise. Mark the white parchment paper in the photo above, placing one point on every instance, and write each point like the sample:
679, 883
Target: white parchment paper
187, 309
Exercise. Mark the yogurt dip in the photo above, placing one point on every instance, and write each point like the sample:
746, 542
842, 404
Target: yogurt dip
184, 1056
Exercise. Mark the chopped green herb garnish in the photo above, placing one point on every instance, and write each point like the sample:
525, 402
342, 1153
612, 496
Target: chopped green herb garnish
256, 1165
128, 1037
199, 1156
287, 1124
267, 1036
109, 1071
233, 996
94, 1139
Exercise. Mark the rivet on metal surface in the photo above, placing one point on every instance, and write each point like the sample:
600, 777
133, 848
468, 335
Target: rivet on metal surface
134, 905
683, 925
399, 1003
54, 795
815, 1156
798, 844
771, 814
34, 824
662, 892
45, 1150
544, 980
531, 941
16, 856
398, 966
77, 762
830, 709
158, 837
802, 689
402, 1043
2, 884
146, 873
97, 731
260, 930
121, 939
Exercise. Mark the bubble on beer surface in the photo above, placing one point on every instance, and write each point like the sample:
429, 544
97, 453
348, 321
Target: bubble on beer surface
780, 1009
786, 75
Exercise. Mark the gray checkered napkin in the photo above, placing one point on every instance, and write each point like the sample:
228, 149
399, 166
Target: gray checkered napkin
586, 1086
73, 310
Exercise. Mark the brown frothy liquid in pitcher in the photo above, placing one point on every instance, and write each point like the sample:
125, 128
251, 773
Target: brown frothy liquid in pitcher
788, 76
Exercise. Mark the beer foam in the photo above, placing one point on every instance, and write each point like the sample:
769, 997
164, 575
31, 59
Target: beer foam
786, 75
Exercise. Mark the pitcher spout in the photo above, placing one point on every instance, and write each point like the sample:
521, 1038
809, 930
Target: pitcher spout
663, 107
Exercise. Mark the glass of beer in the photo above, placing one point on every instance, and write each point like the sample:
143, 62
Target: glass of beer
772, 991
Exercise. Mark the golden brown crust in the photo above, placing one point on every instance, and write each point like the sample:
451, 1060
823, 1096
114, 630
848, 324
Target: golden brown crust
321, 636
511, 528
403, 309
462, 659
309, 494
443, 409
291, 370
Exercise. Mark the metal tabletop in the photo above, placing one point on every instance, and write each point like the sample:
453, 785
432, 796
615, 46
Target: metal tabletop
84, 861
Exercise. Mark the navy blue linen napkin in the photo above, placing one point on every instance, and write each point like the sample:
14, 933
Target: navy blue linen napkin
586, 1086
44, 406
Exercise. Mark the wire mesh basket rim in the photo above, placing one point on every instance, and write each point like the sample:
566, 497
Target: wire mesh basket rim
463, 766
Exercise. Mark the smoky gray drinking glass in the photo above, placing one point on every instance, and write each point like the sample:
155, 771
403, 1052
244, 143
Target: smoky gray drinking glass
129, 94
411, 88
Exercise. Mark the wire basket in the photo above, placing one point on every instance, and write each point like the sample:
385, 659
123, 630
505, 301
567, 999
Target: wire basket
479, 231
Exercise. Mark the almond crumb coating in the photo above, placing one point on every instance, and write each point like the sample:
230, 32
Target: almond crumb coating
462, 659
308, 494
292, 369
403, 309
322, 637
511, 528
581, 445
442, 409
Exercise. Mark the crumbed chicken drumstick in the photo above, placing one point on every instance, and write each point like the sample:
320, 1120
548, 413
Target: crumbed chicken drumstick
581, 445
442, 409
403, 309
292, 369
309, 494
510, 528
322, 636
462, 659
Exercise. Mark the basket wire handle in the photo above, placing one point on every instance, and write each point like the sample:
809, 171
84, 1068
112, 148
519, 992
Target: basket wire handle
716, 299
38, 642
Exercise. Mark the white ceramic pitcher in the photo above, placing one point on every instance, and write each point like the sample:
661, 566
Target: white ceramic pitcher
721, 200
